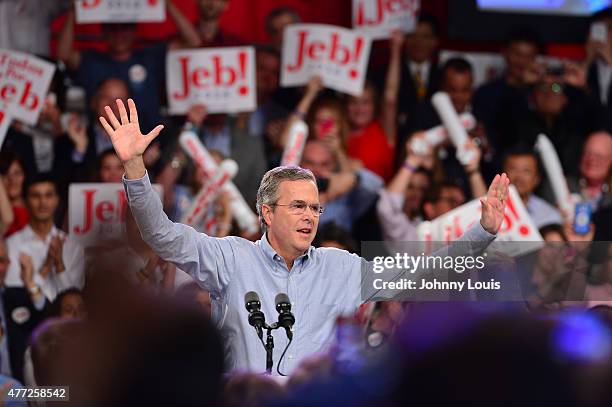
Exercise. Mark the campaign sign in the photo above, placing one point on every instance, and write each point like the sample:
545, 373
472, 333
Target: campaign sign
339, 55
222, 79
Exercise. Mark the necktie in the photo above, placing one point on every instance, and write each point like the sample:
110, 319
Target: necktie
421, 89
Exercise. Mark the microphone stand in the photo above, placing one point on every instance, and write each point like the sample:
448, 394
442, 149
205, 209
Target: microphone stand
269, 347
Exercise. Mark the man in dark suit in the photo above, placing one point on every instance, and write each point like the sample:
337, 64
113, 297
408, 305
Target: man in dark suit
420, 74
18, 318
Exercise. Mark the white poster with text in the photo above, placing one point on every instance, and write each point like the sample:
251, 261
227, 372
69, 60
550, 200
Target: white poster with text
120, 11
379, 18
339, 55
222, 79
24, 82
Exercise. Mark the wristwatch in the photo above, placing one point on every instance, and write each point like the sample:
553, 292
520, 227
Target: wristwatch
34, 289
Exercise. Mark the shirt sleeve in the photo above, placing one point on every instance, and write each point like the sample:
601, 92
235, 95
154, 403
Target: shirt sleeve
396, 226
207, 259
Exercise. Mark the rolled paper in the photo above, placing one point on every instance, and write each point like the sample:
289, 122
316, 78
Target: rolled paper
292, 155
226, 171
457, 134
438, 134
191, 144
554, 172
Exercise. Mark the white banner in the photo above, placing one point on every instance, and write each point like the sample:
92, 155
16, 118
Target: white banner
96, 212
339, 55
24, 81
5, 121
222, 79
516, 227
120, 11
378, 18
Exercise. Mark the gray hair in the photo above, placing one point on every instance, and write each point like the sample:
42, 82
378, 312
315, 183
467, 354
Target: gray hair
267, 194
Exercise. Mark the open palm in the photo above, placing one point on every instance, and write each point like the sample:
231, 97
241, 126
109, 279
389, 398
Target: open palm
128, 141
494, 204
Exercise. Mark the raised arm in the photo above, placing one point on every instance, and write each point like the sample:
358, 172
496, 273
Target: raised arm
207, 259
312, 90
188, 33
66, 51
6, 210
388, 114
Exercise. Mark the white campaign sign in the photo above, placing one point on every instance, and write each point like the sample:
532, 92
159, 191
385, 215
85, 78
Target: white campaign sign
5, 121
378, 18
516, 227
96, 212
24, 82
339, 55
120, 11
222, 79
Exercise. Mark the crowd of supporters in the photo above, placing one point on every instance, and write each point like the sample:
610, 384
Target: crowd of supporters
126, 327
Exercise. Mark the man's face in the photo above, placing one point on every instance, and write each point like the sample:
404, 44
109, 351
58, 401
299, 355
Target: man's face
111, 169
360, 109
522, 170
422, 43
277, 25
450, 198
549, 98
519, 57
42, 201
318, 159
596, 160
107, 95
212, 9
120, 38
268, 67
415, 193
291, 228
4, 261
458, 85
73, 306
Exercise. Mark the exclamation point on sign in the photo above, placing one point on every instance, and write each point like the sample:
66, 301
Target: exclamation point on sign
523, 229
354, 73
242, 60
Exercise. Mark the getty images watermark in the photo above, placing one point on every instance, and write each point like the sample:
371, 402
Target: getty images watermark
534, 272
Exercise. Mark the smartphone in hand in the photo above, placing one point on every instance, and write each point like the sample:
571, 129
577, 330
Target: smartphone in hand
582, 218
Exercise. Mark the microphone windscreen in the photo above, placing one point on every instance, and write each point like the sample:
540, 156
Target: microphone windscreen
250, 297
282, 298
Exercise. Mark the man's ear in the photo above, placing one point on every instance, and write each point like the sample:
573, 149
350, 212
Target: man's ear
267, 213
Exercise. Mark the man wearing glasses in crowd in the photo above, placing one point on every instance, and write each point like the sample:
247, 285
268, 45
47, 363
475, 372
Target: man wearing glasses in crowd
322, 283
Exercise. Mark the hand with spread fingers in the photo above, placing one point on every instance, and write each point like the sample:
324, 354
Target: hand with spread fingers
129, 143
494, 204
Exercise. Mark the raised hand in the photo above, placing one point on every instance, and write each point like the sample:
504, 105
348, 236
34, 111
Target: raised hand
494, 203
129, 143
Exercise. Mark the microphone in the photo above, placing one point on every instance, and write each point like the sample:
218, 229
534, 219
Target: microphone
285, 317
256, 316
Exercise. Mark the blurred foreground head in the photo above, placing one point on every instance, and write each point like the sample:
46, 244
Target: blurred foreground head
137, 348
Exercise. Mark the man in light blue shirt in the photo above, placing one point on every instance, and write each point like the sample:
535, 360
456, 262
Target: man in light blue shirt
322, 283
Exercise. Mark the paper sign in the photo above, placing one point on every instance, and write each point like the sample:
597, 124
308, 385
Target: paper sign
516, 227
120, 11
222, 79
378, 18
96, 212
340, 56
5, 122
24, 82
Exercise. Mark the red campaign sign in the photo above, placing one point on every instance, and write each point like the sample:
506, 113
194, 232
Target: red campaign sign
222, 79
96, 212
516, 227
24, 82
378, 18
340, 56
120, 11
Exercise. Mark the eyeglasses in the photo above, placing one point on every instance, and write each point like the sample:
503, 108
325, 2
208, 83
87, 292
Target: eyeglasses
299, 208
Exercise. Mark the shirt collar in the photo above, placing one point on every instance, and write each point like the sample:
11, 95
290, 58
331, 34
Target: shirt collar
29, 233
270, 253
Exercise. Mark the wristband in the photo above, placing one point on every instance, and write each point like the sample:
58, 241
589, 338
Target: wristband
299, 114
